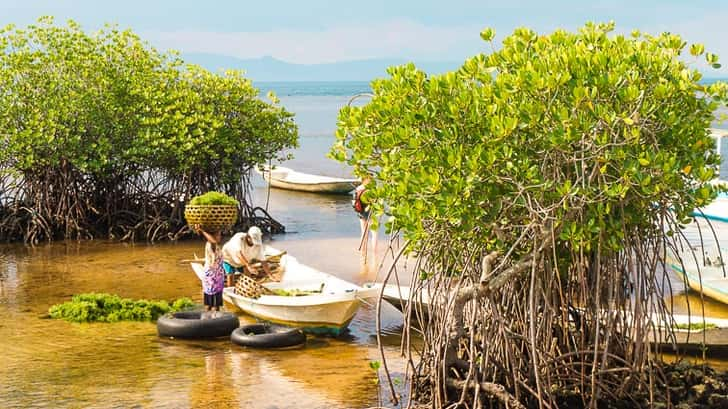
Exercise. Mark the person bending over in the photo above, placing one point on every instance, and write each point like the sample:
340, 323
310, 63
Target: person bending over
243, 249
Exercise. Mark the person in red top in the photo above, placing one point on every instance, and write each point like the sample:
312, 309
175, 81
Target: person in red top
361, 205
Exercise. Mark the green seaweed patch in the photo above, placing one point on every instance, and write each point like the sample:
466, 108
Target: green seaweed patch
696, 326
213, 198
97, 307
294, 292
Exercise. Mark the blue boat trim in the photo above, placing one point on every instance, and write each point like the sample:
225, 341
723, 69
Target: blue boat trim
710, 216
696, 279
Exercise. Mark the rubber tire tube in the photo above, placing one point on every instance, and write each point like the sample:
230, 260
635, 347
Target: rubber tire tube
187, 324
267, 336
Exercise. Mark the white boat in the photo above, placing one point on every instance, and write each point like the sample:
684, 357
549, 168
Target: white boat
399, 296
703, 272
285, 178
717, 210
327, 308
693, 335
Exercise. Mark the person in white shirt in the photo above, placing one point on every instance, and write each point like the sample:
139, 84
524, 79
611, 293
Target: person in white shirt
241, 251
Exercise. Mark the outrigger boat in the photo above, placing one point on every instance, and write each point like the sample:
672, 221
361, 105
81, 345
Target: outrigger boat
285, 178
318, 303
399, 296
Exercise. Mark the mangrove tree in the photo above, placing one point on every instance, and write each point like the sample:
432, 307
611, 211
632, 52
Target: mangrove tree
104, 136
538, 188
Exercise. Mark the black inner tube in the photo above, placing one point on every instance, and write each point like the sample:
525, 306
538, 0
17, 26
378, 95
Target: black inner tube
267, 336
187, 315
189, 324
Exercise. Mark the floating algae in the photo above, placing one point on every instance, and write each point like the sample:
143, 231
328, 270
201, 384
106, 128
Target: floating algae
97, 307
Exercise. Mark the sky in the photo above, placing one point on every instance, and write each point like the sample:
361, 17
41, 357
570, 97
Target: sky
322, 31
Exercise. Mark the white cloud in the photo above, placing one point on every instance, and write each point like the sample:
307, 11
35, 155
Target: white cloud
396, 38
401, 38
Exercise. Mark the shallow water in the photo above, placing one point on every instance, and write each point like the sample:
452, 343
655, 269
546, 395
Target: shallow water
52, 363
49, 363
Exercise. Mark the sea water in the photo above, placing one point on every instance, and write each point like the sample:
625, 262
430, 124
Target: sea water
50, 363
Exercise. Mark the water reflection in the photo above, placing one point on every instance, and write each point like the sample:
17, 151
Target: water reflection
51, 363
692, 303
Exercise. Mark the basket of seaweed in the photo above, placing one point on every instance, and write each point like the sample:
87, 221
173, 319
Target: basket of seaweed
212, 211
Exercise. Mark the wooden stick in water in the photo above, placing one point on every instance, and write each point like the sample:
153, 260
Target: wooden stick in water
192, 260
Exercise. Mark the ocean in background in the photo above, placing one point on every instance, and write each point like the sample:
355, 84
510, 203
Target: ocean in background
313, 88
308, 216
316, 103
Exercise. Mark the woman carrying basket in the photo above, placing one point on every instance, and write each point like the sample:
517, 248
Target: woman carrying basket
213, 280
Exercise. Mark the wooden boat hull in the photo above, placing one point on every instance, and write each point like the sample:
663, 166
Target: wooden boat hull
328, 308
399, 296
331, 315
330, 187
284, 178
708, 280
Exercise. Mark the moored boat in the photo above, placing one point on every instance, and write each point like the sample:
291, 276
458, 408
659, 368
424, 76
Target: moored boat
400, 295
315, 301
285, 178
703, 270
693, 335
718, 209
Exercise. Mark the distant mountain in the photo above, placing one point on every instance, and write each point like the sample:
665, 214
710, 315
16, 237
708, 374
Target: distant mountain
271, 69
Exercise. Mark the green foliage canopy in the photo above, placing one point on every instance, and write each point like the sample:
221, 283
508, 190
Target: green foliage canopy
102, 125
96, 307
539, 186
597, 131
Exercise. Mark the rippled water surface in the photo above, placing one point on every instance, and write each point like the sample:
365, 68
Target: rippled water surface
52, 363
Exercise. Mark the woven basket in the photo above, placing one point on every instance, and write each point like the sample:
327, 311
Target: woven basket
248, 287
211, 217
